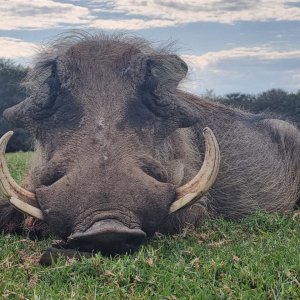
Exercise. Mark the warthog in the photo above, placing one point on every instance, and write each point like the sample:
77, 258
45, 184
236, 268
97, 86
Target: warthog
120, 152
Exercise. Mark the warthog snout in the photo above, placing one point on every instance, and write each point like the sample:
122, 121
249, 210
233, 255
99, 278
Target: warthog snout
108, 236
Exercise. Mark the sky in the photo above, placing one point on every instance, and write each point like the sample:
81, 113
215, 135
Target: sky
246, 46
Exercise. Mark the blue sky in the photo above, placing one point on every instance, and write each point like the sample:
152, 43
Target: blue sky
230, 46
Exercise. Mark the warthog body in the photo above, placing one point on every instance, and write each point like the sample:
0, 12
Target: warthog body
116, 137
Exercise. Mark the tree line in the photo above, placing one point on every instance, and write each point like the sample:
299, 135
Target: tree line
11, 93
275, 101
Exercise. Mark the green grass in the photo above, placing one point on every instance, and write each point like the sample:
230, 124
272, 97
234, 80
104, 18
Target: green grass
18, 164
256, 258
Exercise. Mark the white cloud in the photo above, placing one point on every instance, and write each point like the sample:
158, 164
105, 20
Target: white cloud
131, 24
201, 62
188, 11
38, 14
15, 48
134, 14
207, 72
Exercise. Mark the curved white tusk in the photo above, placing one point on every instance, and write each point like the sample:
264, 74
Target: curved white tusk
11, 189
7, 184
26, 208
205, 178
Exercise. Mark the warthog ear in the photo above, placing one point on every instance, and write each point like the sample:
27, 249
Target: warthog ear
165, 71
158, 93
50, 104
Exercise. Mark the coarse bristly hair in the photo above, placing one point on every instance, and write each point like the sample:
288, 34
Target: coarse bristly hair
127, 42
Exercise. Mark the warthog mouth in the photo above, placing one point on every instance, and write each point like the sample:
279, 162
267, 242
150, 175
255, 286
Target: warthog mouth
109, 237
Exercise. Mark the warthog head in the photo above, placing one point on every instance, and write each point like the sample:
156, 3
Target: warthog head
104, 111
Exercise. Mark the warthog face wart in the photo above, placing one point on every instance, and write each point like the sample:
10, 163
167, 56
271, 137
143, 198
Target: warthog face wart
119, 147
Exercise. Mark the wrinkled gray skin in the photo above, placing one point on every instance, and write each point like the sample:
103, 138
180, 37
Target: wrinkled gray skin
115, 137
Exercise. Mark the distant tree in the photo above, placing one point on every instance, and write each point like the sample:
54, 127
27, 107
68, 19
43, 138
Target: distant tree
277, 101
295, 112
11, 93
297, 100
281, 102
239, 100
210, 93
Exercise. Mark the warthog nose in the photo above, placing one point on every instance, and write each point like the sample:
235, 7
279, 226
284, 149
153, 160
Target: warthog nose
109, 237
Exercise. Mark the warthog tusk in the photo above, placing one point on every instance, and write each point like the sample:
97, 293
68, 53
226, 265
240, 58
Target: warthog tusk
26, 208
11, 189
205, 178
7, 184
